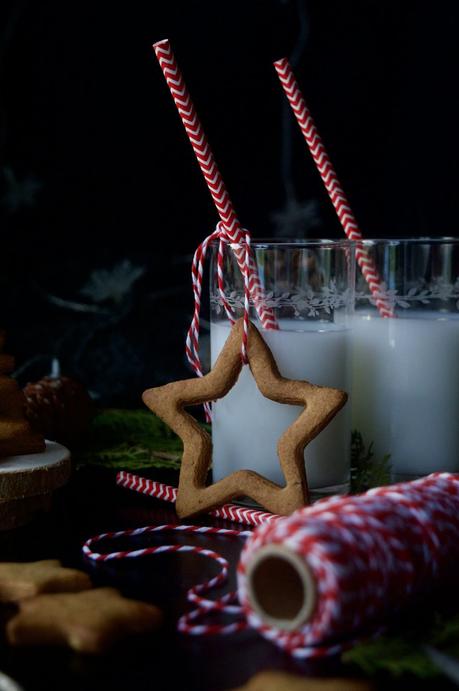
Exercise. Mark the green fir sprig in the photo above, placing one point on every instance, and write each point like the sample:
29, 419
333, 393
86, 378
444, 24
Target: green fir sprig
406, 652
366, 470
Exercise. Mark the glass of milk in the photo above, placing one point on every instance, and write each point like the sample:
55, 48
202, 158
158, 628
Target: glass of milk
405, 389
310, 287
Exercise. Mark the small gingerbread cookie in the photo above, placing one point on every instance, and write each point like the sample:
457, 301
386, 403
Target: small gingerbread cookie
88, 622
273, 680
320, 404
20, 581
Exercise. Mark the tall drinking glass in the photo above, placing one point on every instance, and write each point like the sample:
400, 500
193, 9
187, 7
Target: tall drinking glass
406, 368
310, 288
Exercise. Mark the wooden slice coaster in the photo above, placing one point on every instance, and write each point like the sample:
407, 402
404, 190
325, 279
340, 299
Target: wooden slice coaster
27, 483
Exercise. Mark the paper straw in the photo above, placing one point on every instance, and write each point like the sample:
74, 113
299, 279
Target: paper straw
331, 182
212, 175
158, 490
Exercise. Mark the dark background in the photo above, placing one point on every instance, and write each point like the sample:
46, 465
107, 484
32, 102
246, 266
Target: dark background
102, 201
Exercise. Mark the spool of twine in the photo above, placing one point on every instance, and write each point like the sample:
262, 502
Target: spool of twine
331, 573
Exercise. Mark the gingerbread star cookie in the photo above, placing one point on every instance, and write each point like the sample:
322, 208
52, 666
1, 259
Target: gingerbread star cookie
88, 622
320, 404
19, 581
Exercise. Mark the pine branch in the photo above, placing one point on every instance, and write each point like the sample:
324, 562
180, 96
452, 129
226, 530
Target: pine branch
366, 472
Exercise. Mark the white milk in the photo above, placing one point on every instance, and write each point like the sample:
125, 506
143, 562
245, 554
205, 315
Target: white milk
406, 389
246, 426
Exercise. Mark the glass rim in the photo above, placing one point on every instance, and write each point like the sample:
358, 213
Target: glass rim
330, 243
272, 243
425, 240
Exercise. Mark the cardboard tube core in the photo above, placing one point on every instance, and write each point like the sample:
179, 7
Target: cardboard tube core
280, 587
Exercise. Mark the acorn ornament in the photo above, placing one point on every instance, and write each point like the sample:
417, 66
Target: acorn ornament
59, 407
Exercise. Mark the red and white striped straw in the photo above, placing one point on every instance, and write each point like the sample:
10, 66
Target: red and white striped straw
233, 229
331, 182
158, 490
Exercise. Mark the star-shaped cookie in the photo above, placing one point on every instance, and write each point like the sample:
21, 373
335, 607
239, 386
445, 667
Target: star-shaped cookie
22, 580
89, 622
320, 404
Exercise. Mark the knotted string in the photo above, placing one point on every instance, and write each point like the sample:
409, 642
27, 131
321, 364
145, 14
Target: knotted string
197, 271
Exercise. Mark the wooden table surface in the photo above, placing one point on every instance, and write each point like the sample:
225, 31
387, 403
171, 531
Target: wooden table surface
166, 660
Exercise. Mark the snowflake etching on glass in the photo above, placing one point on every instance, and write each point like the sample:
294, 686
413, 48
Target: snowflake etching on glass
422, 293
302, 303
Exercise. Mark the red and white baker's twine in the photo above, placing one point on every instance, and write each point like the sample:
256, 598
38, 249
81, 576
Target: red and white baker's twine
229, 230
331, 182
225, 604
368, 554
197, 270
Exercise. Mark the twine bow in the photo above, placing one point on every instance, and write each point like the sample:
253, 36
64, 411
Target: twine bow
197, 271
